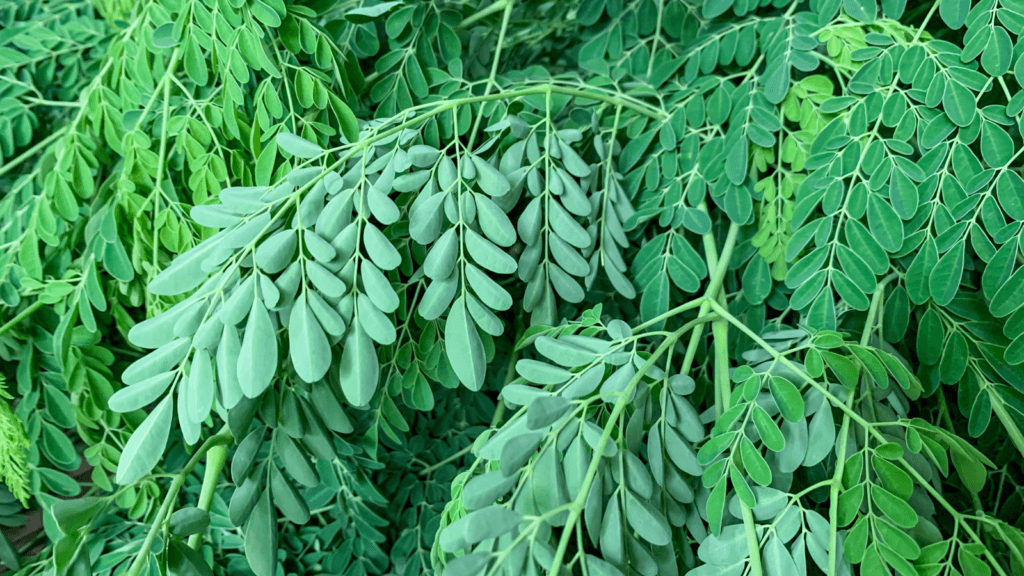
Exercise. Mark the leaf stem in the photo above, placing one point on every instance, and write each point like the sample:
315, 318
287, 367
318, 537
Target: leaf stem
494, 69
576, 506
720, 336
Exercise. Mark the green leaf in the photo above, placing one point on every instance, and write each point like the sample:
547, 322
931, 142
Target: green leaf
954, 13
370, 13
359, 367
757, 280
650, 524
491, 180
489, 522
944, 280
996, 146
788, 398
930, 337
298, 146
754, 463
821, 434
184, 561
261, 537
766, 428
861, 10
140, 394
185, 272
1010, 191
958, 101
188, 521
903, 195
483, 490
776, 558
287, 498
307, 343
145, 447
464, 347
885, 224
715, 8
257, 359
380, 250
894, 507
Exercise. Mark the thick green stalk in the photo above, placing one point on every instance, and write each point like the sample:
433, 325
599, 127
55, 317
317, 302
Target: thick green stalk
716, 284
215, 460
752, 544
221, 438
723, 394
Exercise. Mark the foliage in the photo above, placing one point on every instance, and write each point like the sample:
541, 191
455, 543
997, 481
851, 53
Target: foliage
597, 287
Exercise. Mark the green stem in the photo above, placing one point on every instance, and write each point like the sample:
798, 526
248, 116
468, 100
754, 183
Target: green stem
837, 479
222, 437
14, 162
720, 266
695, 303
720, 336
158, 182
21, 316
451, 458
493, 8
215, 460
494, 68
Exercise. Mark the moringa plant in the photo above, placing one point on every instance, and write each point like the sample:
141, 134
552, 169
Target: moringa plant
595, 287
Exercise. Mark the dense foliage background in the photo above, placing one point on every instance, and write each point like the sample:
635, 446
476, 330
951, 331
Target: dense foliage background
595, 287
